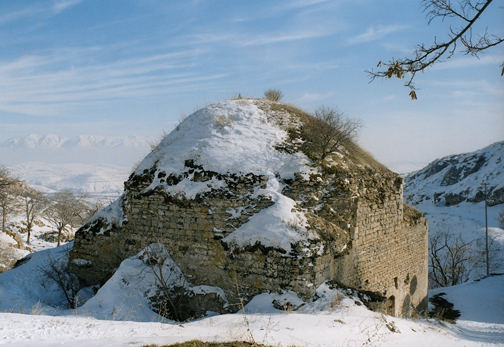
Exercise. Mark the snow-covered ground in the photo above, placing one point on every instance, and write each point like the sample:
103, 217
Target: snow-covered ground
32, 315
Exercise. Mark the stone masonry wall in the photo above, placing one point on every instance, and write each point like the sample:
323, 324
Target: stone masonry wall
388, 250
388, 256
192, 231
366, 242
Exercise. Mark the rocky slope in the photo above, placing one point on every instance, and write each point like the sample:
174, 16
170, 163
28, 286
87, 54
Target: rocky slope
459, 178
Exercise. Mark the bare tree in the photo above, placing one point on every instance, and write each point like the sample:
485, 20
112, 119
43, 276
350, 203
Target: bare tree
7, 199
55, 271
501, 219
65, 210
6, 178
326, 131
33, 202
170, 281
468, 12
451, 260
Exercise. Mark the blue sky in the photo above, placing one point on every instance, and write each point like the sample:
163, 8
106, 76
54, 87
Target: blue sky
120, 67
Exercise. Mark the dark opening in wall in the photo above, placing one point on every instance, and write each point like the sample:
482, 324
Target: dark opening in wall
390, 306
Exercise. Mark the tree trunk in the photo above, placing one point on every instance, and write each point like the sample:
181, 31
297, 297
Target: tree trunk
59, 236
28, 229
4, 218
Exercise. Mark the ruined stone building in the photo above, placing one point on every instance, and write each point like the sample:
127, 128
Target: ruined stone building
239, 206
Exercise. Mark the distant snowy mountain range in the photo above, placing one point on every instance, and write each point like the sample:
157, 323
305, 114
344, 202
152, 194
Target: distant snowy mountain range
84, 149
81, 141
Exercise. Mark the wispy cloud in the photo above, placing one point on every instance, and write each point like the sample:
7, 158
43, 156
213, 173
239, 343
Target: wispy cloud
242, 40
398, 48
312, 3
21, 14
305, 3
37, 10
469, 61
468, 88
62, 5
49, 84
307, 98
321, 66
373, 33
281, 37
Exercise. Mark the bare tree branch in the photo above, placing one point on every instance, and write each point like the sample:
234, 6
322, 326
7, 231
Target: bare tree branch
466, 10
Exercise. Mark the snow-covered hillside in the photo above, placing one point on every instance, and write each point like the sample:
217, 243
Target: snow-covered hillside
449, 192
457, 178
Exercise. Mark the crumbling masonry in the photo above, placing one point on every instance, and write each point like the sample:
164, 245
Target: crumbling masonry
368, 239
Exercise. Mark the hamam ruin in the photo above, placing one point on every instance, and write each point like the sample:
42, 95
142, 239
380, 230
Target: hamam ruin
242, 199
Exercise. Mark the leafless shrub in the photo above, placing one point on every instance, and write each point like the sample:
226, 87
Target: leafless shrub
170, 295
222, 120
246, 319
294, 224
33, 203
327, 131
55, 271
451, 260
273, 95
154, 145
335, 303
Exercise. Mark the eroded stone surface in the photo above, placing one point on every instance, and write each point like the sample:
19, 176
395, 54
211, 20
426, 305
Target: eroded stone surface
359, 233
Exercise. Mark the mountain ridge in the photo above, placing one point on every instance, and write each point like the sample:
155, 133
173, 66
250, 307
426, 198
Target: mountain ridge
459, 178
52, 141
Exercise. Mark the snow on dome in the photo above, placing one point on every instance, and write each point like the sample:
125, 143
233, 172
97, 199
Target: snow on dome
232, 136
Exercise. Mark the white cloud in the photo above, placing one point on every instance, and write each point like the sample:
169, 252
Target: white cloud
62, 5
51, 85
314, 97
269, 39
20, 14
373, 33
469, 61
